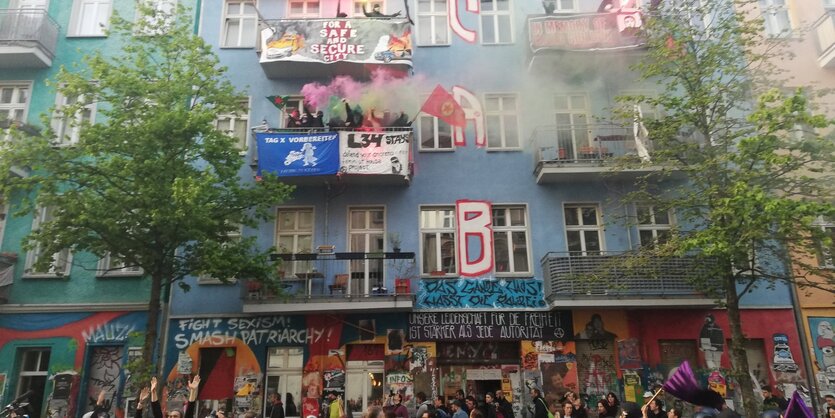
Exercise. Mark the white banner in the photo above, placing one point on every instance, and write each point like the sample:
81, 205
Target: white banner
375, 152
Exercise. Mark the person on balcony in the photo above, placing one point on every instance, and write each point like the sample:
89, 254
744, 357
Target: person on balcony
376, 13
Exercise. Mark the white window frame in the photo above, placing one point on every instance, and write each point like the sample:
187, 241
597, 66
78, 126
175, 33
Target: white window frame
42, 214
434, 16
558, 6
827, 255
576, 127
234, 119
356, 7
503, 114
584, 228
4, 214
293, 267
436, 129
495, 15
243, 23
305, 14
365, 266
165, 6
110, 266
20, 109
451, 229
363, 369
292, 103
770, 9
829, 4
101, 23
653, 226
61, 123
508, 231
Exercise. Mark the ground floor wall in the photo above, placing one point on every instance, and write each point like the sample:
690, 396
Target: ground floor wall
66, 359
363, 357
819, 324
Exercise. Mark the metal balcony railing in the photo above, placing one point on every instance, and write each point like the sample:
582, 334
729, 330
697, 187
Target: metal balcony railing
577, 143
28, 27
569, 275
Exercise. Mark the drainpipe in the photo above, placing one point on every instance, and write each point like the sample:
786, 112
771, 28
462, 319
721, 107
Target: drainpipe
804, 344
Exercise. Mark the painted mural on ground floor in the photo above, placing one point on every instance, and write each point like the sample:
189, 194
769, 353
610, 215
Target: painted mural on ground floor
822, 333
308, 359
67, 359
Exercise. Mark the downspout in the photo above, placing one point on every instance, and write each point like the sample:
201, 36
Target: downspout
804, 344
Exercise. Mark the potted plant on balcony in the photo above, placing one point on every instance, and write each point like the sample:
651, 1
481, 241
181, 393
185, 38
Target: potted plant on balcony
404, 272
394, 241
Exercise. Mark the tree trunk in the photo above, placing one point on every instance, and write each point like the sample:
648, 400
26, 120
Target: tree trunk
149, 348
739, 360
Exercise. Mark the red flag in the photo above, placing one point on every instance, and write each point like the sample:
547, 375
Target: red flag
442, 105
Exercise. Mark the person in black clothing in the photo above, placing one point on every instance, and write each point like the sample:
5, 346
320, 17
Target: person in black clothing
503, 405
156, 409
277, 410
293, 120
290, 406
654, 409
771, 402
401, 121
540, 408
353, 117
375, 12
612, 404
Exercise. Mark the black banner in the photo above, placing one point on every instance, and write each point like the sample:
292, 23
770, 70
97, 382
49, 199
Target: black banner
493, 326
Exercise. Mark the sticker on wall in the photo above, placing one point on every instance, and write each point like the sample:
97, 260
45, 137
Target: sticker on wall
334, 382
717, 383
632, 388
712, 342
783, 361
394, 341
629, 354
419, 359
184, 363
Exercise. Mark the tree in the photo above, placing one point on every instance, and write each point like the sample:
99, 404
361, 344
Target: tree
756, 172
154, 184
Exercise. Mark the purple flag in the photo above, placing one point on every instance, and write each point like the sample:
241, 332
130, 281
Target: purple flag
797, 408
683, 385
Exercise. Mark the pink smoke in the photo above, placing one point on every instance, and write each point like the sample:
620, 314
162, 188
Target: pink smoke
387, 90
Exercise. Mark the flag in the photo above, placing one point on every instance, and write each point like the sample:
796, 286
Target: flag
797, 408
641, 135
683, 385
442, 105
278, 101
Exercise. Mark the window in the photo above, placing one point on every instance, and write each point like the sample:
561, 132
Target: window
32, 375
674, 352
240, 24
236, 125
68, 127
562, 6
827, 249
829, 4
432, 24
364, 382
294, 235
60, 261
366, 234
284, 375
111, 265
654, 225
583, 229
776, 16
14, 102
234, 235
162, 12
4, 210
302, 8
437, 241
89, 17
434, 134
294, 103
369, 5
502, 121
496, 22
510, 239
572, 130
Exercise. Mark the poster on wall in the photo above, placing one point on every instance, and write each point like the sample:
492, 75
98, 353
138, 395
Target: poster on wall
586, 32
823, 337
294, 154
629, 354
366, 41
375, 152
400, 383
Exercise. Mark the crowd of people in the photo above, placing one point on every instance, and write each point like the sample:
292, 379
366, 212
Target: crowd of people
354, 118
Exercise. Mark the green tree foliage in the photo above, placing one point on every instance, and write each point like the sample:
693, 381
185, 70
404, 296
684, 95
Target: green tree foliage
153, 182
757, 172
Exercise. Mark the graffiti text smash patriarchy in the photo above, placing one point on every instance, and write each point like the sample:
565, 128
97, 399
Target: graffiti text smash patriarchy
260, 330
480, 293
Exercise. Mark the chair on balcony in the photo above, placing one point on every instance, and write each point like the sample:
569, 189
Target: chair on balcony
340, 283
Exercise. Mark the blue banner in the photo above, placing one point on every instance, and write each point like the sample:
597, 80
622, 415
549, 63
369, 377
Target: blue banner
290, 154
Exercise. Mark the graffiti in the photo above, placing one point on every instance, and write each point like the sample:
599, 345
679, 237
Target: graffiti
103, 372
783, 361
252, 331
455, 20
108, 332
596, 369
475, 236
712, 342
472, 112
419, 360
480, 293
823, 334
434, 326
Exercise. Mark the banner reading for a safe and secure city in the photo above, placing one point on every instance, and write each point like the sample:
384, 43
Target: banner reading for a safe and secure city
375, 152
371, 41
589, 32
283, 154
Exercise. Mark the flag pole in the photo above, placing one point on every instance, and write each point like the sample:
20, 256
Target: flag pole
658, 392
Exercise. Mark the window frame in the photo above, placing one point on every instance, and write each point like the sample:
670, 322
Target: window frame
104, 268
241, 18
826, 256
769, 9
61, 122
653, 227
21, 373
368, 283
573, 9
829, 4
159, 6
502, 114
40, 216
495, 14
305, 14
74, 30
370, 6
16, 87
436, 130
432, 15
243, 143
4, 214
296, 266
583, 228
509, 230
439, 248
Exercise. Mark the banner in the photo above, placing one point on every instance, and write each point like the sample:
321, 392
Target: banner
588, 32
375, 152
368, 41
291, 154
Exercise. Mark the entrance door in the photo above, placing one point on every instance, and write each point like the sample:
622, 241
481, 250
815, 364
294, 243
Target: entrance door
284, 378
367, 232
571, 117
364, 378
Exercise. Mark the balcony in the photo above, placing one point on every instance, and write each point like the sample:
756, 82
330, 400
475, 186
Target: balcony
322, 48
318, 156
824, 29
586, 152
27, 38
619, 279
336, 282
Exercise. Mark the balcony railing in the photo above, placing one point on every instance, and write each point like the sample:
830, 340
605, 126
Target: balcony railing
27, 38
624, 275
584, 143
825, 33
